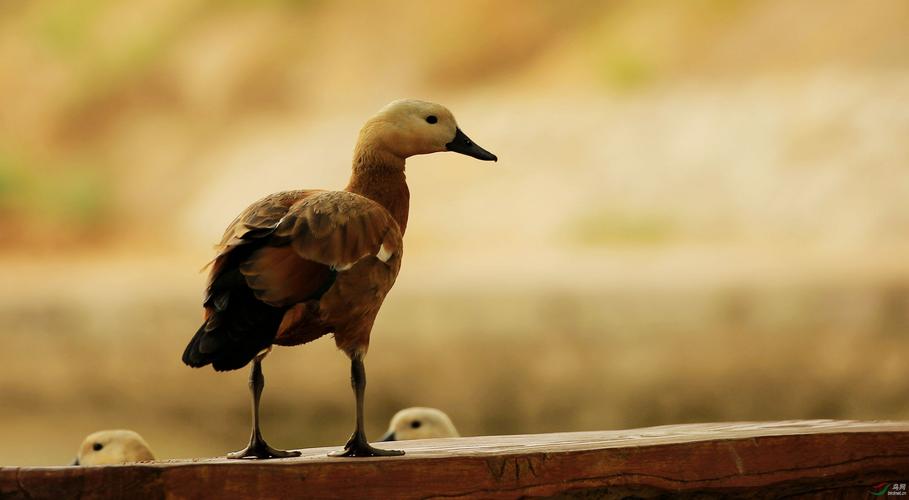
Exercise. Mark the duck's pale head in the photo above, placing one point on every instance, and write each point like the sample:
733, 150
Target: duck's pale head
420, 423
113, 447
409, 127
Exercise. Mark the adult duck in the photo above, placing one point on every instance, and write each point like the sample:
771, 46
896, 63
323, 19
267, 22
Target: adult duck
298, 265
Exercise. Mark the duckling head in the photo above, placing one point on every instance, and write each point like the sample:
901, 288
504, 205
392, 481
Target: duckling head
420, 423
113, 447
409, 127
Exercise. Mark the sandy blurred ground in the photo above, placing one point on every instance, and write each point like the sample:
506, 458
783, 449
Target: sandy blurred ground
701, 213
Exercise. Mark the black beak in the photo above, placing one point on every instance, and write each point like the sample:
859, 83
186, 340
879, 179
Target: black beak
462, 144
75, 461
389, 436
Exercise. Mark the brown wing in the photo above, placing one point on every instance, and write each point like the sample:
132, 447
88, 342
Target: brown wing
321, 234
337, 228
262, 215
251, 226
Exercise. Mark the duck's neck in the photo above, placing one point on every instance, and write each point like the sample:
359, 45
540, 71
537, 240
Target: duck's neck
380, 177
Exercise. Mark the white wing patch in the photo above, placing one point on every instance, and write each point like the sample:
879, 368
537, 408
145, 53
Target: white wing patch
384, 254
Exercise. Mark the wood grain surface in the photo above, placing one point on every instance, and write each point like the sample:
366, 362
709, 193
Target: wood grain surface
797, 459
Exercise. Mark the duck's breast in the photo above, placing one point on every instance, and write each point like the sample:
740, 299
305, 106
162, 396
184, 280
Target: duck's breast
352, 304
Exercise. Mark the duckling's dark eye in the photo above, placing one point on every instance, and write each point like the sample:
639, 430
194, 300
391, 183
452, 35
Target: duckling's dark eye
416, 423
97, 446
431, 119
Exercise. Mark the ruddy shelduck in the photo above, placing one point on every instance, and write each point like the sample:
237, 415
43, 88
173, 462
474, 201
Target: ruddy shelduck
119, 446
298, 265
420, 423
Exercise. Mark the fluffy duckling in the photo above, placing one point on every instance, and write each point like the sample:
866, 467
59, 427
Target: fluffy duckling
298, 265
113, 447
420, 423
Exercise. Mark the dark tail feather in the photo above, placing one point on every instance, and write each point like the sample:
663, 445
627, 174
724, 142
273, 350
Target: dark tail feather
236, 331
192, 356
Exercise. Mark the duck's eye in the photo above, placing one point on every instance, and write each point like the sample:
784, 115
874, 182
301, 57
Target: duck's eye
97, 446
431, 119
416, 423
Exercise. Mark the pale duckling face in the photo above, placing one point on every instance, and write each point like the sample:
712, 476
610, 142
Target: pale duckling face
420, 423
113, 447
409, 127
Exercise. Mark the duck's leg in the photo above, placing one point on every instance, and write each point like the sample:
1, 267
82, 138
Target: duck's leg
358, 446
257, 447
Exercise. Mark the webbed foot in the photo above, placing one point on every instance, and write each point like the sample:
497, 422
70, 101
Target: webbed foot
357, 446
259, 449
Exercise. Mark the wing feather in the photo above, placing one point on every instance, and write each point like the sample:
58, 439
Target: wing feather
319, 235
337, 228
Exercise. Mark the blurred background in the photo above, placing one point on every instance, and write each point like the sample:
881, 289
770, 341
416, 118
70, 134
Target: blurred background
700, 212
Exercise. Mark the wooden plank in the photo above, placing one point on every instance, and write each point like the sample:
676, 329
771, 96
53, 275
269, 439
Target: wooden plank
810, 459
